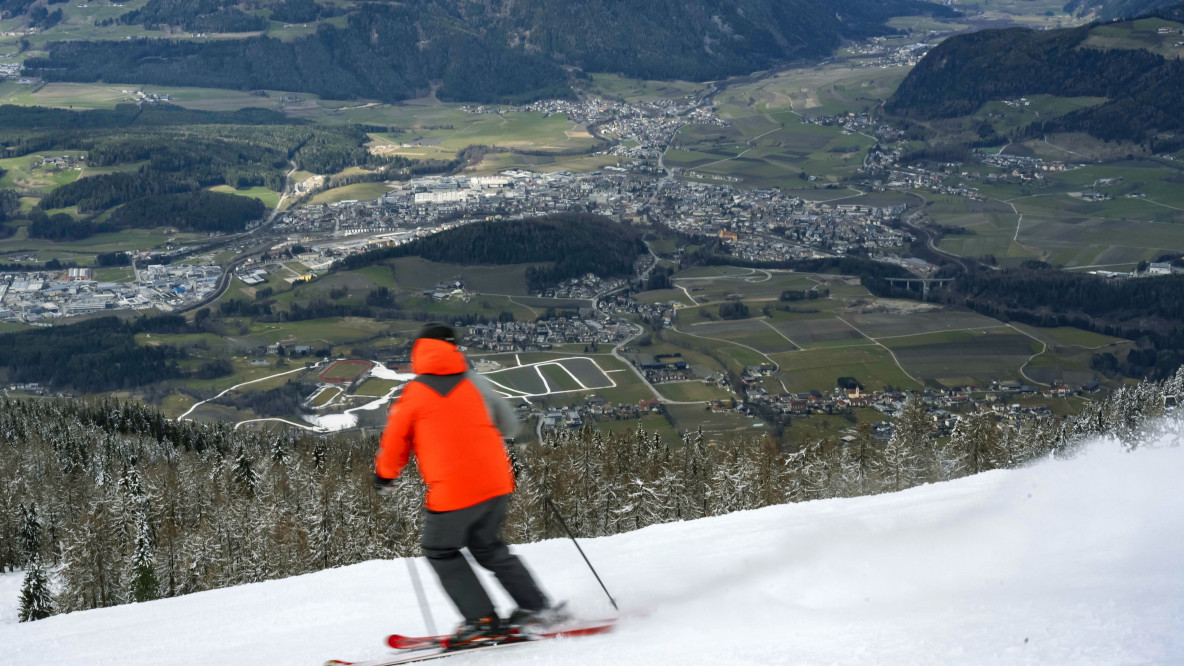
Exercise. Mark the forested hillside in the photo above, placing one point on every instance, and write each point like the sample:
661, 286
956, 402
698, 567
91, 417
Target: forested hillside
477, 52
575, 243
170, 154
1145, 90
380, 54
118, 504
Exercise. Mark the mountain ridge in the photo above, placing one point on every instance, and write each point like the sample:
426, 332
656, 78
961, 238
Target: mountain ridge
480, 52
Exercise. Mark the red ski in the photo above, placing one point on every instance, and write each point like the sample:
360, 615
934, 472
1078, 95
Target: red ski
568, 630
426, 648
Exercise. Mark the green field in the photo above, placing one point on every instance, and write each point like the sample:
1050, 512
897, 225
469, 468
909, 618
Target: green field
326, 396
650, 423
30, 180
755, 333
883, 325
690, 391
819, 369
615, 86
355, 192
1141, 34
716, 427
1144, 219
437, 131
83, 252
756, 285
414, 274
961, 358
1067, 336
270, 198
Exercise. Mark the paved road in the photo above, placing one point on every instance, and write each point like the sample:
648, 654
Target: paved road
228, 269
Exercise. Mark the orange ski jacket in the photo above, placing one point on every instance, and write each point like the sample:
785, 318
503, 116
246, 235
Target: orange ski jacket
450, 418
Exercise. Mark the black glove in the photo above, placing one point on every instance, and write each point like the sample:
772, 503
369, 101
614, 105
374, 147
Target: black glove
383, 486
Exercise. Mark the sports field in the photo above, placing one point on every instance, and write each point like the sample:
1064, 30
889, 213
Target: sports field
345, 371
546, 377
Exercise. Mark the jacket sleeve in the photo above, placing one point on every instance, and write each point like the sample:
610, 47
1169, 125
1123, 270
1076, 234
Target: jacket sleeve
500, 412
394, 450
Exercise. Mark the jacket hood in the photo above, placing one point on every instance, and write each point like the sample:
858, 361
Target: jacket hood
436, 357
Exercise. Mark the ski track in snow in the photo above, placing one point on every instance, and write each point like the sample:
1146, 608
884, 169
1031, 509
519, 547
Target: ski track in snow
1075, 562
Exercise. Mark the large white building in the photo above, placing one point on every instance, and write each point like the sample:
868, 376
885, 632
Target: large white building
444, 196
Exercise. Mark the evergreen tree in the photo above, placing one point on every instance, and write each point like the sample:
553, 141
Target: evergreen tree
36, 602
145, 586
908, 454
30, 535
92, 575
244, 476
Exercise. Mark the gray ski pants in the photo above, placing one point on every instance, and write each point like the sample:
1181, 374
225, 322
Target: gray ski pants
477, 528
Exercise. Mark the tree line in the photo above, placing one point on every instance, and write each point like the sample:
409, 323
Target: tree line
108, 502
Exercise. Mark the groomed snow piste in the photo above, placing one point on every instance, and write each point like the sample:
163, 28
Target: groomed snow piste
1078, 562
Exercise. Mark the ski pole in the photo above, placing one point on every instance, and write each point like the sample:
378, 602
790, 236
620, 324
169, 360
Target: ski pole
423, 601
547, 499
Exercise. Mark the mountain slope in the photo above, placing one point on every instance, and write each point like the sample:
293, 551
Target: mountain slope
1144, 90
1065, 562
495, 50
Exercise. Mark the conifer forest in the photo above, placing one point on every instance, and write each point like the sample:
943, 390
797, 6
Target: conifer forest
108, 502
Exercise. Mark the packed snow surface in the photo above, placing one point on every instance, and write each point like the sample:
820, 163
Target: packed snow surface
1077, 562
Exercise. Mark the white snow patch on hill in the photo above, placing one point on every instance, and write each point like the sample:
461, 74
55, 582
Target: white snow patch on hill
1078, 562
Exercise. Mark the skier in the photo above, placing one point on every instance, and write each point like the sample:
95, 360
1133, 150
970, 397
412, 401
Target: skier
454, 423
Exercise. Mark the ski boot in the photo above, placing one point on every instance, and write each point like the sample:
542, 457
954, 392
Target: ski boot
472, 633
525, 622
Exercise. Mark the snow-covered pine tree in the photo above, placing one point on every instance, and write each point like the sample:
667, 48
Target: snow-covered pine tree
278, 450
36, 600
765, 462
973, 446
848, 479
731, 487
145, 586
645, 506
814, 471
792, 485
671, 488
30, 534
243, 476
905, 458
1173, 388
589, 462
868, 455
696, 473
92, 576
913, 427
1031, 441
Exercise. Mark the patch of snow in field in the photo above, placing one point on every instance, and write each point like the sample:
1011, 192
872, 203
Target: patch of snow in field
380, 371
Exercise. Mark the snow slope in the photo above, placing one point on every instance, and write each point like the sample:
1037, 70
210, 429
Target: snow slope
1078, 562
